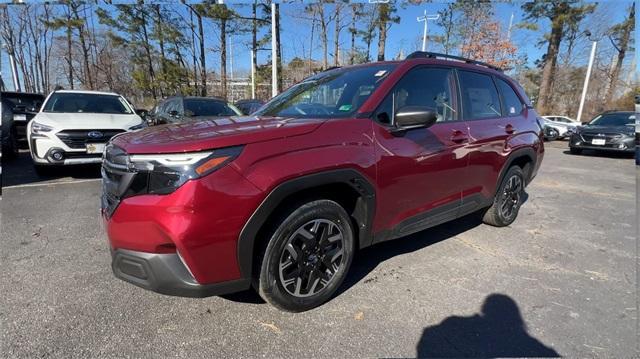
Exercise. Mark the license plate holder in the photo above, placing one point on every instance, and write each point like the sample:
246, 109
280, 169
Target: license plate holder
93, 148
598, 141
20, 118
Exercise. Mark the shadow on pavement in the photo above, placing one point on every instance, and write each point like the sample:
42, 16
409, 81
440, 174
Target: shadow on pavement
608, 154
369, 258
20, 171
497, 331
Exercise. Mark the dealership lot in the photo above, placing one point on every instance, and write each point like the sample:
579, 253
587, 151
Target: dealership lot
560, 280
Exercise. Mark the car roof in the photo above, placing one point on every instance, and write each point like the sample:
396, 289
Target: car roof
89, 92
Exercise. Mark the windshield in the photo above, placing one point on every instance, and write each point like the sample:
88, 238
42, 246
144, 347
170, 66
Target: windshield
86, 103
337, 93
614, 119
194, 107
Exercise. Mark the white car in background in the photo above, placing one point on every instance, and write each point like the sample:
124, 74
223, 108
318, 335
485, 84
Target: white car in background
564, 125
73, 127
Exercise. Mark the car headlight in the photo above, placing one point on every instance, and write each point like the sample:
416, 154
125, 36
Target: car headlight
39, 130
164, 173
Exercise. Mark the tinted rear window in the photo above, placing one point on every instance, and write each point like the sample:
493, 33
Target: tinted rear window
205, 107
23, 102
479, 96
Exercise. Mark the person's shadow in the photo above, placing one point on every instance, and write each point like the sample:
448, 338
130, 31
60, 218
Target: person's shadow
498, 331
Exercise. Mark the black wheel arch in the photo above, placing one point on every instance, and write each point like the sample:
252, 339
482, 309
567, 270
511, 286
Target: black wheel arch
523, 157
362, 213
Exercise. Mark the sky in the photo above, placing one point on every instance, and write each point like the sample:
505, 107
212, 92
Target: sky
404, 36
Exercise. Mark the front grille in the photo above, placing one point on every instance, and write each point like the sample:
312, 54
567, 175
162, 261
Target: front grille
116, 178
80, 138
587, 137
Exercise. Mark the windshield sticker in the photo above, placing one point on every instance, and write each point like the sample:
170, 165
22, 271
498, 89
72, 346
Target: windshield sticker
380, 73
345, 108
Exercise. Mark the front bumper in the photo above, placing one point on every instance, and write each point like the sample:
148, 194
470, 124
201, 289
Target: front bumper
622, 144
166, 274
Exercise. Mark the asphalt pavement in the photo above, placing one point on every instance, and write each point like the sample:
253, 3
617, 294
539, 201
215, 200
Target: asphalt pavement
560, 281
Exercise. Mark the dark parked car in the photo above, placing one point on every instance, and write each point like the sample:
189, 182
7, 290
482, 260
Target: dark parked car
187, 108
609, 131
283, 199
23, 107
247, 107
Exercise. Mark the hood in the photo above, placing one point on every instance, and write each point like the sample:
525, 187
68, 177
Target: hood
87, 121
213, 133
607, 129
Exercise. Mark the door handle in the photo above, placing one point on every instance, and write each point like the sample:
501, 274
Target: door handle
458, 136
509, 129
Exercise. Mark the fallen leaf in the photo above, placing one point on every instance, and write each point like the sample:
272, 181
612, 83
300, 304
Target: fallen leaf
359, 316
272, 327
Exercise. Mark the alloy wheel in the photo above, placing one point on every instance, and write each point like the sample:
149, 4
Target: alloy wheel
511, 197
312, 256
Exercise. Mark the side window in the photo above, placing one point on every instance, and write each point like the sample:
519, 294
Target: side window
423, 86
479, 96
511, 101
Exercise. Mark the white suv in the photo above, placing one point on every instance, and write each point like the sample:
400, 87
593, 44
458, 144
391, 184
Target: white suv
73, 127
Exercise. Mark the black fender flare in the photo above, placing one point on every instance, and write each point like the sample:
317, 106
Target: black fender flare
521, 152
364, 216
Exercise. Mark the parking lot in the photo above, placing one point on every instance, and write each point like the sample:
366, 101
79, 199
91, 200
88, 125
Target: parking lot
560, 281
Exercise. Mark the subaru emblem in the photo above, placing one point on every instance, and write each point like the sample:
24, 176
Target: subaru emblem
95, 134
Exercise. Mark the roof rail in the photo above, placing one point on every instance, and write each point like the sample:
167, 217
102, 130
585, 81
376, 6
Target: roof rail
435, 55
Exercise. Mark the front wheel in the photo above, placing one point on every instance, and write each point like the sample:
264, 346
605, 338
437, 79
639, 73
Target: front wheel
307, 257
507, 200
575, 151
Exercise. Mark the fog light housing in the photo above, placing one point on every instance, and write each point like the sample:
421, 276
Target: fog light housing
57, 155
622, 146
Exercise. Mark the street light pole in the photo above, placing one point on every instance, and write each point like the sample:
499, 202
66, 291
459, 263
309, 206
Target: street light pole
586, 80
253, 77
426, 19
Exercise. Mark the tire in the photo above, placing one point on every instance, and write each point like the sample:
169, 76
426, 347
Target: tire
307, 257
43, 171
10, 147
511, 190
551, 134
575, 151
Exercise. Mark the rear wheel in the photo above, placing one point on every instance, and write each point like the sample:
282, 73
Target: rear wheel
507, 200
307, 257
10, 145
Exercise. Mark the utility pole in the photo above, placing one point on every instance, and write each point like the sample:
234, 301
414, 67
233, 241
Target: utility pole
274, 53
426, 19
586, 80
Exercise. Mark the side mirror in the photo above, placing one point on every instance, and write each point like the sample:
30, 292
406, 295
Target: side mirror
409, 117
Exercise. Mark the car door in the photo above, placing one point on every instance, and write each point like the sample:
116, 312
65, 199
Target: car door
494, 113
420, 173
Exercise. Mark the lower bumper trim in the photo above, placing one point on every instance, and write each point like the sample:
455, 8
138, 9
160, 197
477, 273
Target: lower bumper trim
166, 274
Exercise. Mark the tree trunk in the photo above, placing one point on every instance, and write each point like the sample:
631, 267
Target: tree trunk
147, 49
549, 70
254, 39
193, 51
622, 50
336, 42
323, 37
223, 58
382, 30
163, 57
69, 52
352, 53
203, 63
278, 49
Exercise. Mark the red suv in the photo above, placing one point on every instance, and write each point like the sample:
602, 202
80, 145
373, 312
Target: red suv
350, 157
